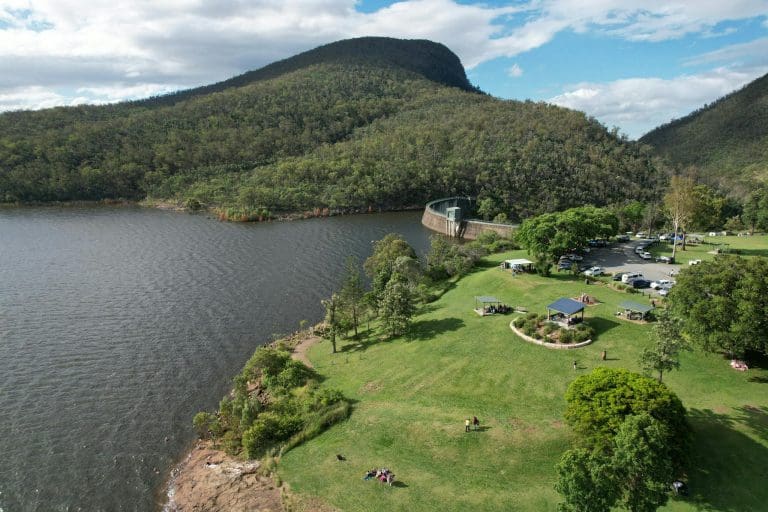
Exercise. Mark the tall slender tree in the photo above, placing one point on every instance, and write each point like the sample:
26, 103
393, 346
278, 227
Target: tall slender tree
680, 202
352, 291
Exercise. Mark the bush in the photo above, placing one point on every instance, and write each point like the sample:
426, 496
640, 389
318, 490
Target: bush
518, 322
531, 315
203, 422
566, 335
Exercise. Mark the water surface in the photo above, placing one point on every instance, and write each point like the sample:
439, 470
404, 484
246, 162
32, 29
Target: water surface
118, 324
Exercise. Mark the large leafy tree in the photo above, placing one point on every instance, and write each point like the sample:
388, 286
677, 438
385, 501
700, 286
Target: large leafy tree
553, 234
755, 214
722, 304
381, 264
642, 463
632, 470
587, 481
599, 402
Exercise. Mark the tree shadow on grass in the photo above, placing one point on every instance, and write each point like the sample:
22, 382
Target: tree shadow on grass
755, 418
601, 325
728, 468
426, 329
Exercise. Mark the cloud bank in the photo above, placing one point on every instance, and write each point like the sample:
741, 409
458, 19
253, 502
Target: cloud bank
66, 51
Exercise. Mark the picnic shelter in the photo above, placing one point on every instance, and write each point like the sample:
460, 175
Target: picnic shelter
634, 310
565, 310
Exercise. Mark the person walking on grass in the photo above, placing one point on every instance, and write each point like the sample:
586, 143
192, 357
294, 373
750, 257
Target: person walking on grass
475, 423
466, 425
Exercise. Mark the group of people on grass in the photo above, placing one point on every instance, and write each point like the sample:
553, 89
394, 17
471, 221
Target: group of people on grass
474, 423
383, 475
493, 309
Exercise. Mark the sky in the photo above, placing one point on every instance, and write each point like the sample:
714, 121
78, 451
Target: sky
630, 64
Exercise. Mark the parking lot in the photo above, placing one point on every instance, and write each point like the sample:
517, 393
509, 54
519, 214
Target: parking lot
621, 258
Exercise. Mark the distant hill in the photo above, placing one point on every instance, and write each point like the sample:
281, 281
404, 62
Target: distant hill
363, 123
727, 140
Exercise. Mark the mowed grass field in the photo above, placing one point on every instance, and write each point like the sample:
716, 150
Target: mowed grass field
412, 395
742, 245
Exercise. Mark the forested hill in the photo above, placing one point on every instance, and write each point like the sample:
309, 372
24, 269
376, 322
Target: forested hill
727, 140
396, 129
431, 60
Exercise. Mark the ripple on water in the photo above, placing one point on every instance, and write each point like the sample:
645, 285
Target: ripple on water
118, 324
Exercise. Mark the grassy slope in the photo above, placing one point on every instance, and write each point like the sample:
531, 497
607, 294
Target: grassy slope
745, 246
413, 395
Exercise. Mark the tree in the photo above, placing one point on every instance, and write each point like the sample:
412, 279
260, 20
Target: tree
721, 304
379, 265
397, 306
487, 208
553, 234
642, 462
755, 213
664, 355
587, 481
680, 202
599, 402
352, 291
332, 317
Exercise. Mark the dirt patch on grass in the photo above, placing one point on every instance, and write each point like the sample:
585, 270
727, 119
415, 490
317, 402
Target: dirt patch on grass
372, 386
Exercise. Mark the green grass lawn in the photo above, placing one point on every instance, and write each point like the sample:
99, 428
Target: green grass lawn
412, 395
742, 245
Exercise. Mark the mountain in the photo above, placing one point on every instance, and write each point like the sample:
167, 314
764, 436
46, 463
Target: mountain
727, 140
362, 123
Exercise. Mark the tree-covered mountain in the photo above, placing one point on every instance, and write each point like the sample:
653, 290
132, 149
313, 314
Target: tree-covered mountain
363, 123
727, 140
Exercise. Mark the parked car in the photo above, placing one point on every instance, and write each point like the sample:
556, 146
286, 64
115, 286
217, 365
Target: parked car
622, 238
617, 276
664, 259
639, 283
646, 255
640, 234
594, 271
664, 292
574, 257
661, 283
628, 276
564, 265
694, 262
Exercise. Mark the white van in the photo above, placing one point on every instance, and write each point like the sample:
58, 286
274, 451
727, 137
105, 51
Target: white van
630, 276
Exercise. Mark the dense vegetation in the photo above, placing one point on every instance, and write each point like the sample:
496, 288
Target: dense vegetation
276, 404
727, 140
356, 125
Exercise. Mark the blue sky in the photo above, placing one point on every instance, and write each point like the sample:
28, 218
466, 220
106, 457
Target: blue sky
633, 64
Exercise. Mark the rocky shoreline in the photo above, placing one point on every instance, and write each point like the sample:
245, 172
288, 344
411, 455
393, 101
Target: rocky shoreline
207, 479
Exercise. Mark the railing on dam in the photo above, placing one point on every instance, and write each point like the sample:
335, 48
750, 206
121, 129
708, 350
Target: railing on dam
435, 218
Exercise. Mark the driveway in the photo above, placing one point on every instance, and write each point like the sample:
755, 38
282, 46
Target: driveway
621, 257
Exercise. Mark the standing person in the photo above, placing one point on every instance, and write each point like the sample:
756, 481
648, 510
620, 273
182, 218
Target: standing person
466, 425
575, 366
475, 423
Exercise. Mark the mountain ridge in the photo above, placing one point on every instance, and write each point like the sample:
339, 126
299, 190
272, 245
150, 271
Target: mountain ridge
727, 140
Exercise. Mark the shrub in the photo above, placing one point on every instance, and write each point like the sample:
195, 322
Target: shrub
531, 315
519, 321
203, 422
566, 335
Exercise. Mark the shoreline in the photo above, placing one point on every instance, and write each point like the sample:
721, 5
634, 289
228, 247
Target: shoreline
206, 478
213, 212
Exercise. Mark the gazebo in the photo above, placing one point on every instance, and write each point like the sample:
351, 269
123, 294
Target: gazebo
634, 310
520, 263
486, 305
565, 309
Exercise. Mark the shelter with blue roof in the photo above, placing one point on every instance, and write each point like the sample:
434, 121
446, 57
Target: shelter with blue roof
565, 310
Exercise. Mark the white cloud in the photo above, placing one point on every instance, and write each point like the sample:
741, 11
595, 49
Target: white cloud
66, 44
753, 51
515, 71
638, 105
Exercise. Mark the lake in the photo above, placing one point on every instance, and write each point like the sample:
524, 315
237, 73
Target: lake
118, 324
